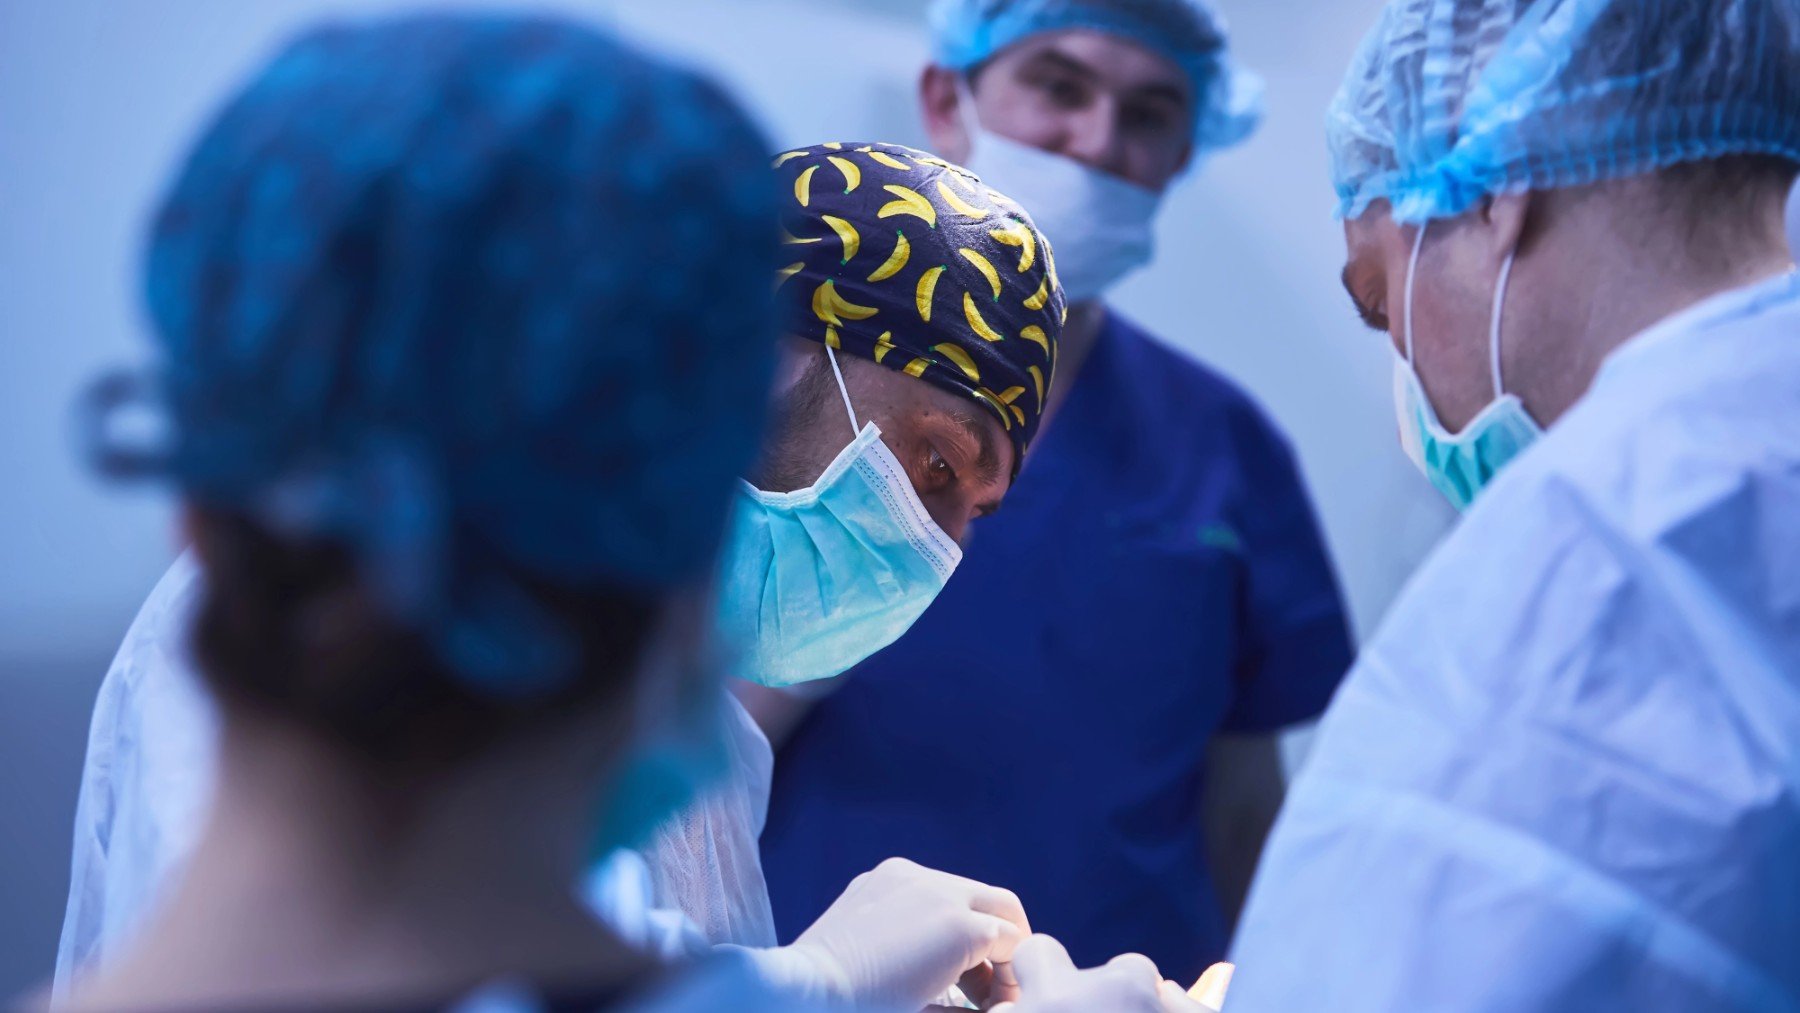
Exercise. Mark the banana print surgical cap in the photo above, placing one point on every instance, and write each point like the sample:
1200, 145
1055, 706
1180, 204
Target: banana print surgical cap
904, 259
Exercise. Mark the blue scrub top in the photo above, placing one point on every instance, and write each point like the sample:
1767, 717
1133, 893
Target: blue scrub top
1155, 577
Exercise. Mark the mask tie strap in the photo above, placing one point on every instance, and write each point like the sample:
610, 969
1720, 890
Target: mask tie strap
966, 114
1494, 332
842, 390
1412, 273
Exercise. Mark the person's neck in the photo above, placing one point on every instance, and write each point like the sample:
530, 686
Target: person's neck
1602, 292
1078, 338
308, 888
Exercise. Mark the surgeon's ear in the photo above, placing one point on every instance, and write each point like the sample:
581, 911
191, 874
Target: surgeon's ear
1504, 218
940, 104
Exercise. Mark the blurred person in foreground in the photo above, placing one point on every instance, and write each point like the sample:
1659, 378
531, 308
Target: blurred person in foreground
457, 382
1155, 606
1563, 775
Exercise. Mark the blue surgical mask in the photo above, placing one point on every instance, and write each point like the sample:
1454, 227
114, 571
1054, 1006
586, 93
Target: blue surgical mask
814, 581
1100, 227
1460, 464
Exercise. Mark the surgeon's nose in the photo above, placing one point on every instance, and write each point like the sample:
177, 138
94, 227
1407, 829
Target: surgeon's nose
952, 514
1095, 140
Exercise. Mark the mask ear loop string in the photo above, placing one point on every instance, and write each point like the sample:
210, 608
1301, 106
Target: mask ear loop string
1494, 332
843, 390
1412, 274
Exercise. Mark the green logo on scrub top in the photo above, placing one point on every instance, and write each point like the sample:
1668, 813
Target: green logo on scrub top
1220, 536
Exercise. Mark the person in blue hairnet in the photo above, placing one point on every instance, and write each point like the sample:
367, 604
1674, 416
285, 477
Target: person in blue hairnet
1179, 607
453, 594
1565, 774
466, 330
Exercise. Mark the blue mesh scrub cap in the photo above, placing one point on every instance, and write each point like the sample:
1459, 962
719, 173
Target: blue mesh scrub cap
1187, 33
1448, 101
473, 297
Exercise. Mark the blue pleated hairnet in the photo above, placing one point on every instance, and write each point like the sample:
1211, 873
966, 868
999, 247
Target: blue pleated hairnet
479, 298
1188, 33
1451, 100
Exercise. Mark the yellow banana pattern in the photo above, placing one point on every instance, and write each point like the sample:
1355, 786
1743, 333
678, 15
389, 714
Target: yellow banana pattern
977, 323
846, 234
1037, 299
908, 201
955, 354
852, 175
986, 267
960, 206
833, 309
1015, 234
927, 289
888, 160
954, 240
896, 261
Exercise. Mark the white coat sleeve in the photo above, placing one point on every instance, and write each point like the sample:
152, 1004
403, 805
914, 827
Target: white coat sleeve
146, 780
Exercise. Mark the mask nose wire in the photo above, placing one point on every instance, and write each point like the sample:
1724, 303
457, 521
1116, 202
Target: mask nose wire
1412, 274
843, 390
1494, 333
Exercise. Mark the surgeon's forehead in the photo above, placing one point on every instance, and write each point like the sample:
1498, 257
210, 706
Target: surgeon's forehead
1369, 235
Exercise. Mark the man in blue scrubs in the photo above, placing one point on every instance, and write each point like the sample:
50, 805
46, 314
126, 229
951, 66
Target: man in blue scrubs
1089, 715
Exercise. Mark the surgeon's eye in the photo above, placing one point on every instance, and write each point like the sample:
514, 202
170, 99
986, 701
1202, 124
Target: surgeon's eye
1065, 92
1147, 119
1373, 310
936, 465
938, 472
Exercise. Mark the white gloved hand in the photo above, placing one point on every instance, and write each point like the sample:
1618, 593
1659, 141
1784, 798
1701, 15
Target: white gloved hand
1049, 982
900, 935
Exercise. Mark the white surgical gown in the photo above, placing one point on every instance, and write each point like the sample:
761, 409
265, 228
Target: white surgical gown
1565, 774
149, 775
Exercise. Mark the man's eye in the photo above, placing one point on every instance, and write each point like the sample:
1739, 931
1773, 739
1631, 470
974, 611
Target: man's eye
1065, 93
938, 468
1142, 119
1373, 312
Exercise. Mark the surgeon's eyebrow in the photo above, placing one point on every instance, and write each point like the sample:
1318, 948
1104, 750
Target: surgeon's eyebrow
1051, 59
987, 457
1156, 90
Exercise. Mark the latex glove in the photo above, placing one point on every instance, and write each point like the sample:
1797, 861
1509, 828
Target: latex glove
900, 935
1050, 983
1210, 990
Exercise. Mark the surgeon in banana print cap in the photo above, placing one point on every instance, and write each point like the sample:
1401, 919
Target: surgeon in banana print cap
900, 267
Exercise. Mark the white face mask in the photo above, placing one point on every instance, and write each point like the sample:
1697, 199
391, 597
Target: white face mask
1100, 227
